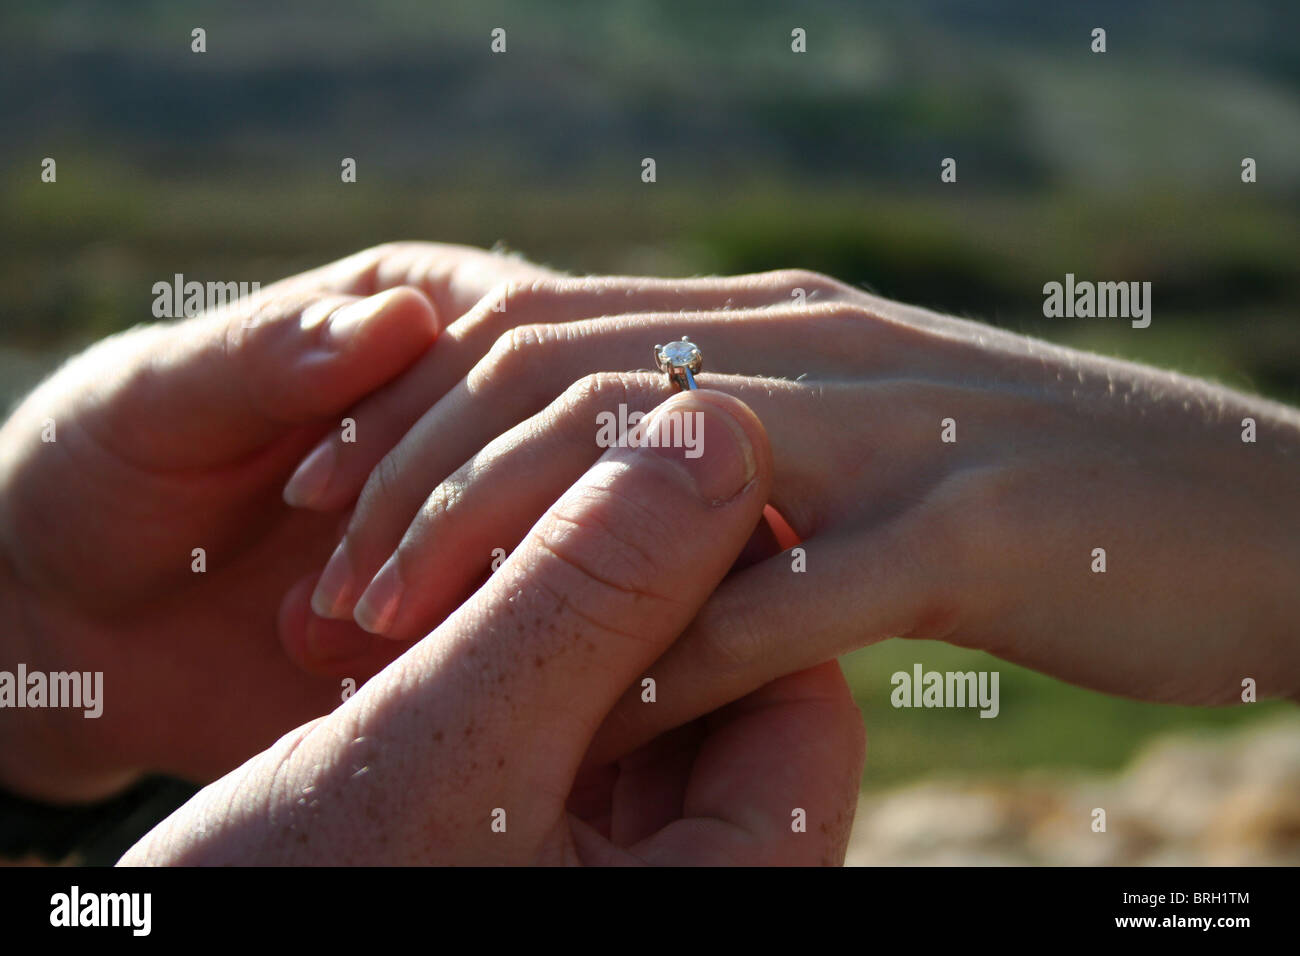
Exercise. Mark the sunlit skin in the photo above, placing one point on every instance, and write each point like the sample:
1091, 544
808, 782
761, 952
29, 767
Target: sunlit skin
178, 436
181, 433
987, 540
468, 748
474, 382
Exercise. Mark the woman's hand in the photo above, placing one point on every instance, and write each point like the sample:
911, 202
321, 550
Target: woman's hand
467, 749
989, 540
176, 437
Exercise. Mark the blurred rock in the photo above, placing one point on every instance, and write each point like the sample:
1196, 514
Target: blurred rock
1186, 800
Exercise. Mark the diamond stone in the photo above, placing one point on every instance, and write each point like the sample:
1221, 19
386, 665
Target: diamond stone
680, 354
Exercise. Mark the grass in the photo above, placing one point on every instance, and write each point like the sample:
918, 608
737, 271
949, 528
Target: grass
1043, 723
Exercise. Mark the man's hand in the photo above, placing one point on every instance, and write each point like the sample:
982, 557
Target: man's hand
177, 437
467, 749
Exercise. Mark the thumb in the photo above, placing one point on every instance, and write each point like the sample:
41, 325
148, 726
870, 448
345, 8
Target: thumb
196, 393
615, 571
495, 709
514, 684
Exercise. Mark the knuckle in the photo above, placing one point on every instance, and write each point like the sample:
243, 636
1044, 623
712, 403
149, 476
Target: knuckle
282, 768
592, 392
536, 296
617, 546
385, 249
255, 337
440, 504
382, 486
490, 314
509, 303
516, 349
849, 312
526, 340
814, 284
242, 356
515, 358
410, 297
729, 642
840, 316
582, 413
494, 308
803, 277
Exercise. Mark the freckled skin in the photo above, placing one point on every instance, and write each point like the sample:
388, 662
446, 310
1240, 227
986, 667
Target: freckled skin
390, 761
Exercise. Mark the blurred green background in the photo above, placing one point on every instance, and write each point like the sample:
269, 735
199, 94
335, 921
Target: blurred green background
1123, 166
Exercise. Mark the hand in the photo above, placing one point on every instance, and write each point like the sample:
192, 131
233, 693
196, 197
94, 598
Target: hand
174, 437
485, 721
456, 375
987, 541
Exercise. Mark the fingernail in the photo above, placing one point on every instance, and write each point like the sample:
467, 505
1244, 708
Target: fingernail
334, 585
706, 442
345, 323
309, 481
378, 605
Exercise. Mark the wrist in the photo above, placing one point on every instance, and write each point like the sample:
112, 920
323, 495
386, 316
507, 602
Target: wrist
1229, 467
1267, 478
1231, 479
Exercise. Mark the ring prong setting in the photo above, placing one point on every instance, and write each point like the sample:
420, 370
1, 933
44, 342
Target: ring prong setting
681, 361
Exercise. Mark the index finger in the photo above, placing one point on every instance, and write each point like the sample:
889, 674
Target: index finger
453, 277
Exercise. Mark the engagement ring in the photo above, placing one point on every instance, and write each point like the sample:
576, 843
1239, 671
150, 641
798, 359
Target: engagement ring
681, 360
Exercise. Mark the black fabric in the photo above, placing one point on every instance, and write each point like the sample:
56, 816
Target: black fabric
93, 834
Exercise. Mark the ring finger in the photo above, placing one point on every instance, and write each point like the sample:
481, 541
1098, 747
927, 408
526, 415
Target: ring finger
332, 475
483, 511
521, 375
